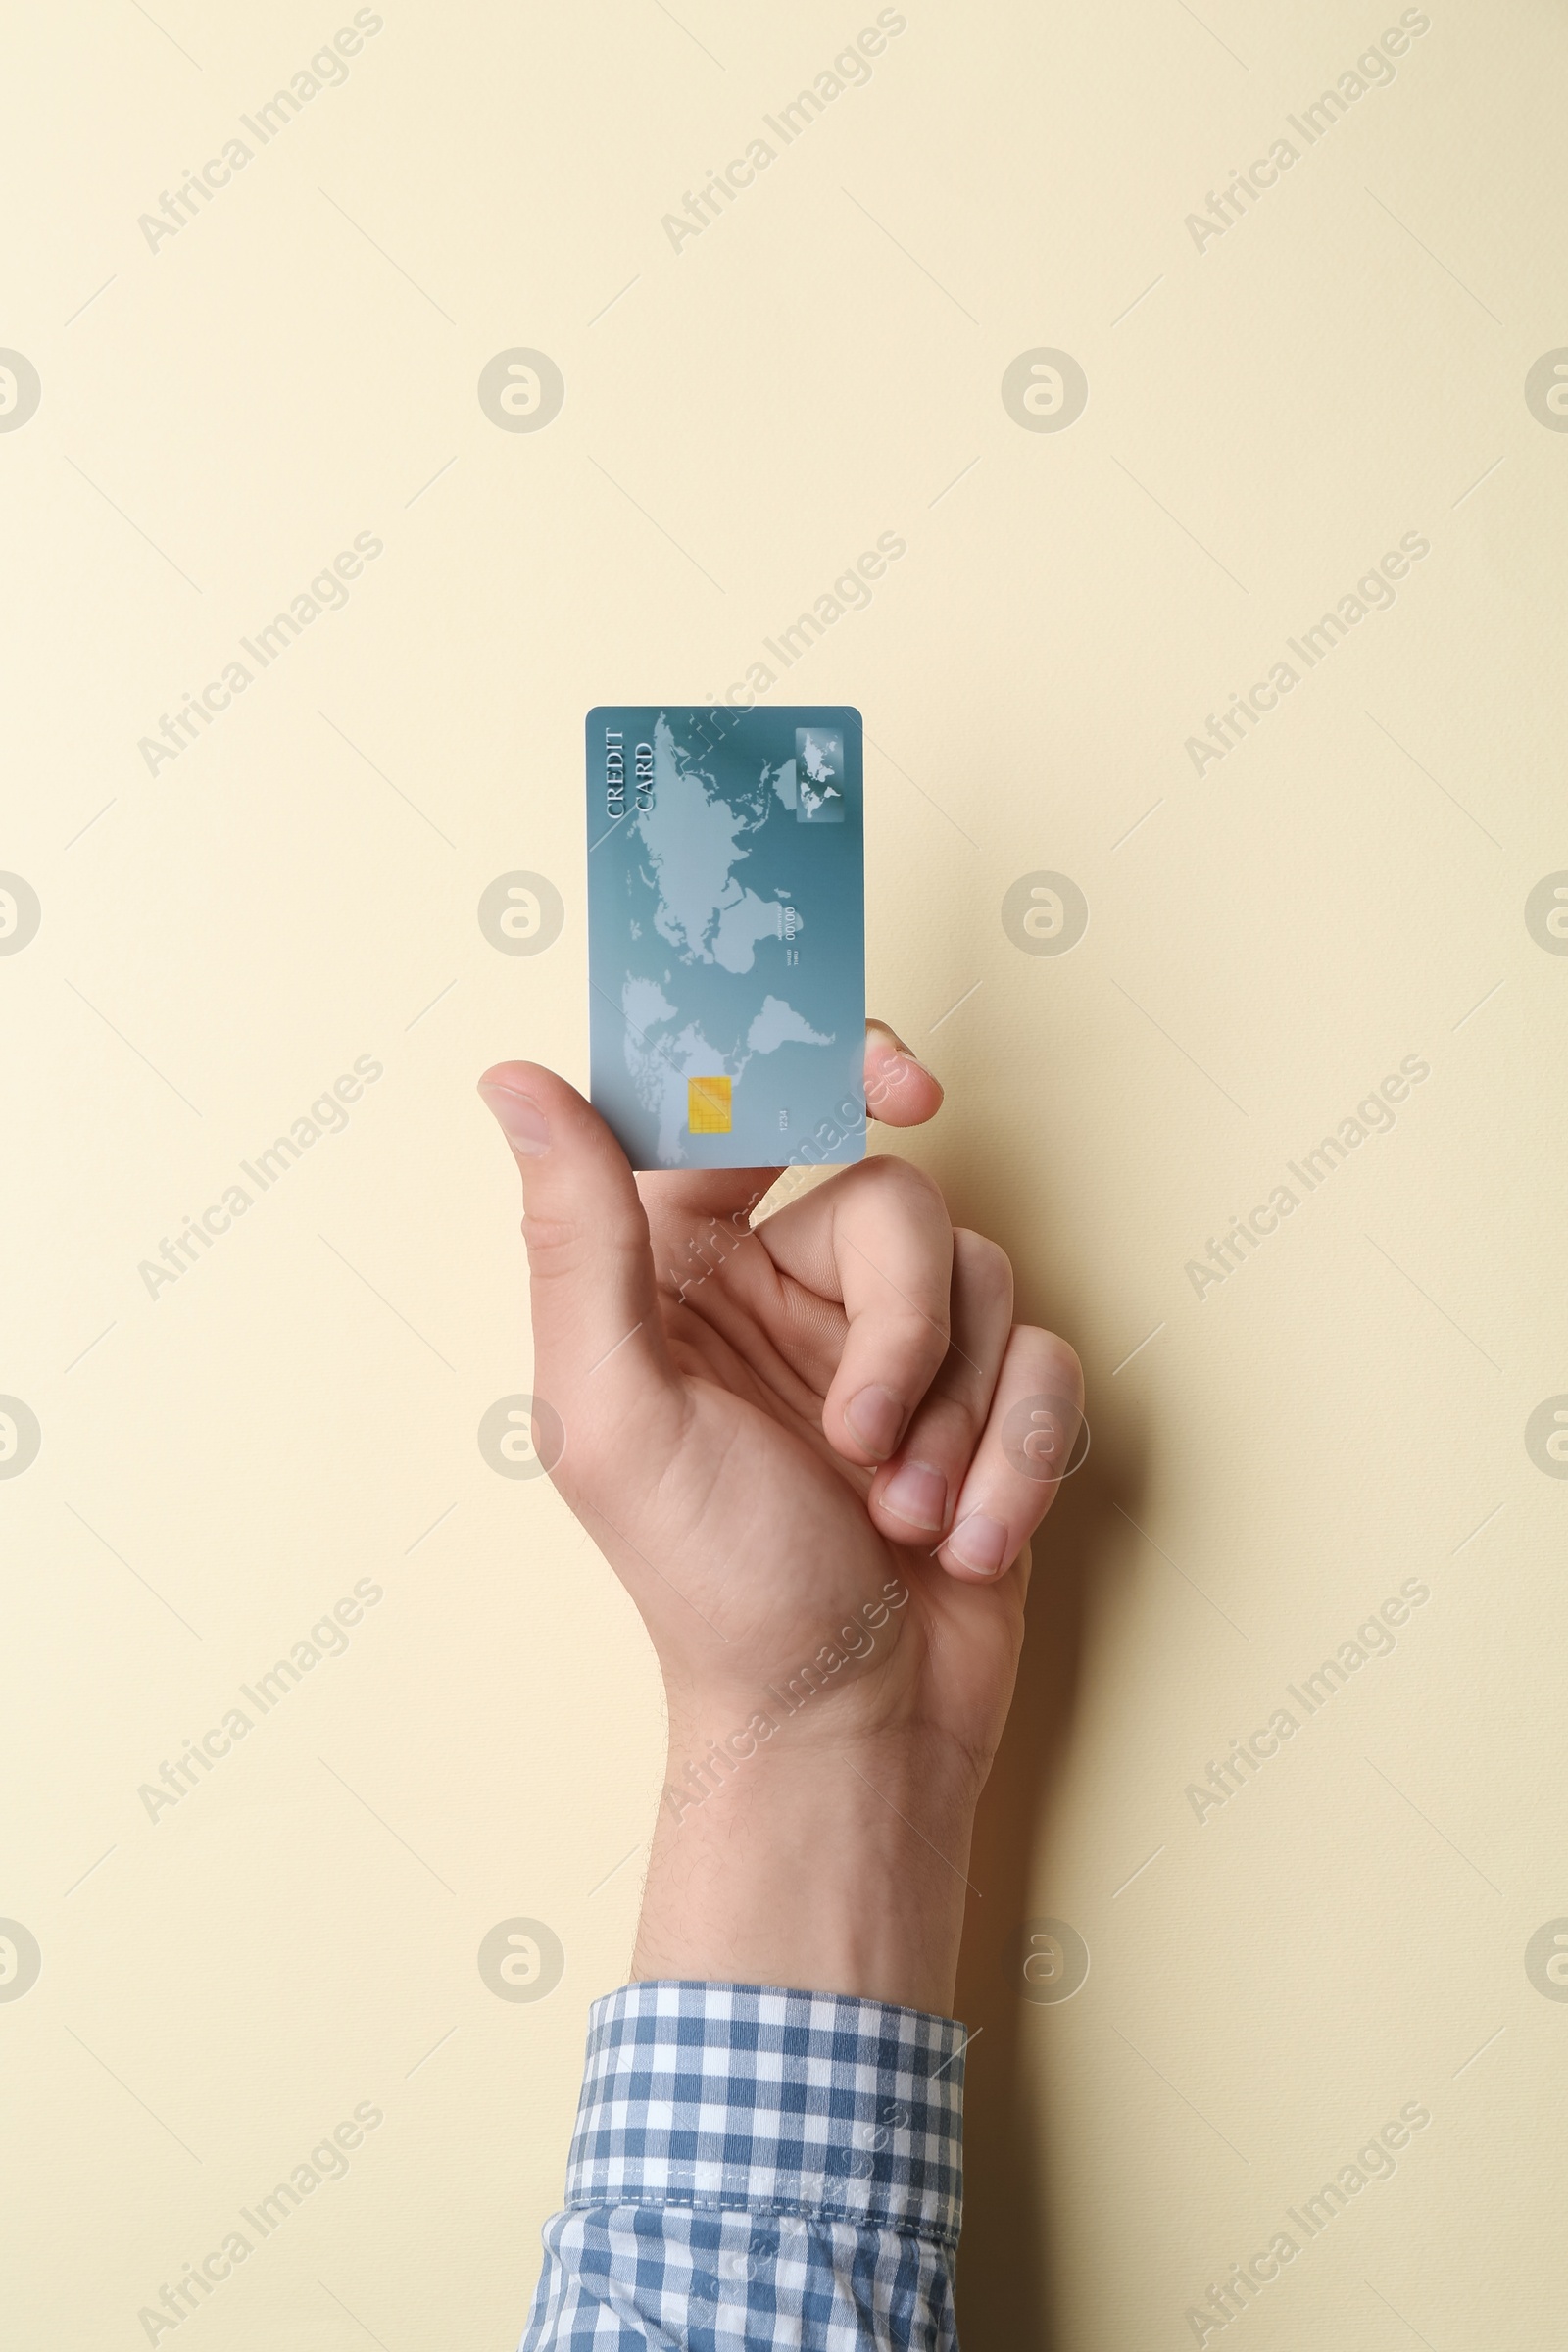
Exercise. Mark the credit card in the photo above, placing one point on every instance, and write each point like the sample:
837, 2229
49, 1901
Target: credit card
726, 934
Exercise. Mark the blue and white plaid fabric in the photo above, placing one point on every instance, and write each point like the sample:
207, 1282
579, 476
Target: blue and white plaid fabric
753, 2170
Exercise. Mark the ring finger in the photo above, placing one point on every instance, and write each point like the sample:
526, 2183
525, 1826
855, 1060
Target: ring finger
1035, 1420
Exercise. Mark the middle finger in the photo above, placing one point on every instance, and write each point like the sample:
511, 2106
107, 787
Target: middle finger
877, 1238
915, 1491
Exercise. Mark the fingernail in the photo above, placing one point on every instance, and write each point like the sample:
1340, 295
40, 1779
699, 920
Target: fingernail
520, 1119
876, 1416
886, 1033
917, 1494
980, 1543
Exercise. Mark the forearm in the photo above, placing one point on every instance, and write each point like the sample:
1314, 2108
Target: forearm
768, 2145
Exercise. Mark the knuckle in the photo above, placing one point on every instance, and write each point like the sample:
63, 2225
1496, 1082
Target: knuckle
1064, 1362
568, 1247
949, 1424
982, 1265
1047, 1361
553, 1246
930, 1338
900, 1181
906, 1333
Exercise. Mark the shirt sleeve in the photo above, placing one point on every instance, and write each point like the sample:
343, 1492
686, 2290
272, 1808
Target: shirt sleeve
755, 2168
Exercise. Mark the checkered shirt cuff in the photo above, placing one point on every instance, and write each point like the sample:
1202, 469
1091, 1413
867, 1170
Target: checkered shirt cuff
745, 2097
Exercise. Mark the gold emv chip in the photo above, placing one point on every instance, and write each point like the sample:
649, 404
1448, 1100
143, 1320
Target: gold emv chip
708, 1105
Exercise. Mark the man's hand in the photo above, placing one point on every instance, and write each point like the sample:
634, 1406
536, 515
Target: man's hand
813, 1451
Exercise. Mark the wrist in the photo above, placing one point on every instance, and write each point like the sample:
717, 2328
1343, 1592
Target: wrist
832, 1863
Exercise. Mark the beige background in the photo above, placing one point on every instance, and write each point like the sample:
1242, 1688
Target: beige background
218, 942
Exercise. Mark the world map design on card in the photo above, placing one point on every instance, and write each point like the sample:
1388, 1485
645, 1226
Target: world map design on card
726, 933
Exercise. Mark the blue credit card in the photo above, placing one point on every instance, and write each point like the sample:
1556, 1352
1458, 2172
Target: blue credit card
726, 934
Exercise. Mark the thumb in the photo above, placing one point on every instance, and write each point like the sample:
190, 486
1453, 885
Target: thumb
600, 1357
